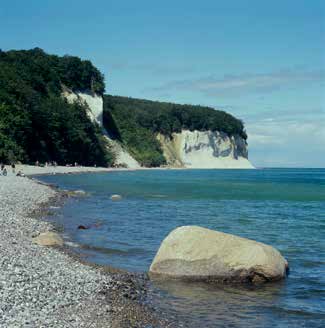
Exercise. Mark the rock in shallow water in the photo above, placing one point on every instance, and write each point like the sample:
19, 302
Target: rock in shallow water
116, 197
195, 253
79, 193
82, 227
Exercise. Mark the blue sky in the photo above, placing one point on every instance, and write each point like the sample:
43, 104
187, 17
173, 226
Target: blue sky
263, 61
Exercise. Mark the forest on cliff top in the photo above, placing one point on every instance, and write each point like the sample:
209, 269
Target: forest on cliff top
38, 124
136, 122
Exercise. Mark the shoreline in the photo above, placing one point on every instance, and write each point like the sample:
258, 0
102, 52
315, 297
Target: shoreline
31, 170
59, 288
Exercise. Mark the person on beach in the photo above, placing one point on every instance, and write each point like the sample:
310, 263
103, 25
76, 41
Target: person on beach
4, 171
13, 167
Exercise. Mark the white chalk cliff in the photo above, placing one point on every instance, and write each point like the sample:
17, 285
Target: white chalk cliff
205, 149
188, 149
94, 103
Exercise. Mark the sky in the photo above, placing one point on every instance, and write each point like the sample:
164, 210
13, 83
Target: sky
262, 61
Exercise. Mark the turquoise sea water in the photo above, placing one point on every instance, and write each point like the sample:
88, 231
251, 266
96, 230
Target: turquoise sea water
281, 207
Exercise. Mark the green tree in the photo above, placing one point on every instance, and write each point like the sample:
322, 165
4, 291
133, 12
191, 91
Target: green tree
36, 123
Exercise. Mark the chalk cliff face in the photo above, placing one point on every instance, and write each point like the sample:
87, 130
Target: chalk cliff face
189, 149
95, 113
93, 101
205, 149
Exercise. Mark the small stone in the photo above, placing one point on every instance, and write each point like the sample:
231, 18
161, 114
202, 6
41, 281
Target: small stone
82, 227
48, 238
116, 197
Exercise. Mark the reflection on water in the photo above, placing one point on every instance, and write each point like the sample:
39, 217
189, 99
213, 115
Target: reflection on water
210, 305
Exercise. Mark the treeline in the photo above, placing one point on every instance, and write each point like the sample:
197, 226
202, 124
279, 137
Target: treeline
136, 122
166, 118
36, 123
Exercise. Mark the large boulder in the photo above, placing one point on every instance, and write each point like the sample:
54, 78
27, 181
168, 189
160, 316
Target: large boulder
196, 253
48, 238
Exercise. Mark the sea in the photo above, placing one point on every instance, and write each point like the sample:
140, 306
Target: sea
284, 208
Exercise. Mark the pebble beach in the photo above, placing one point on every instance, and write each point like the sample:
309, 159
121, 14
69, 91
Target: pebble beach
44, 286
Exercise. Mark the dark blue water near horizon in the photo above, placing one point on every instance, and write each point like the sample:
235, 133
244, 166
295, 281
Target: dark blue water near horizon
281, 207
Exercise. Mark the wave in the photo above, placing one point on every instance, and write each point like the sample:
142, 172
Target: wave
113, 251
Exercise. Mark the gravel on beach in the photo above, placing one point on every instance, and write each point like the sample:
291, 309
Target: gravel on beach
43, 286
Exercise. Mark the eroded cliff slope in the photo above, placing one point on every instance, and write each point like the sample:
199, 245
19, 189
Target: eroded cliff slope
94, 104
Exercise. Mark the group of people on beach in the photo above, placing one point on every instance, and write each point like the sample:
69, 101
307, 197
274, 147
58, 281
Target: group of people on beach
4, 172
52, 163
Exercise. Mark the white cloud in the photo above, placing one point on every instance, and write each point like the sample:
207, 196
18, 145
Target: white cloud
278, 142
234, 84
